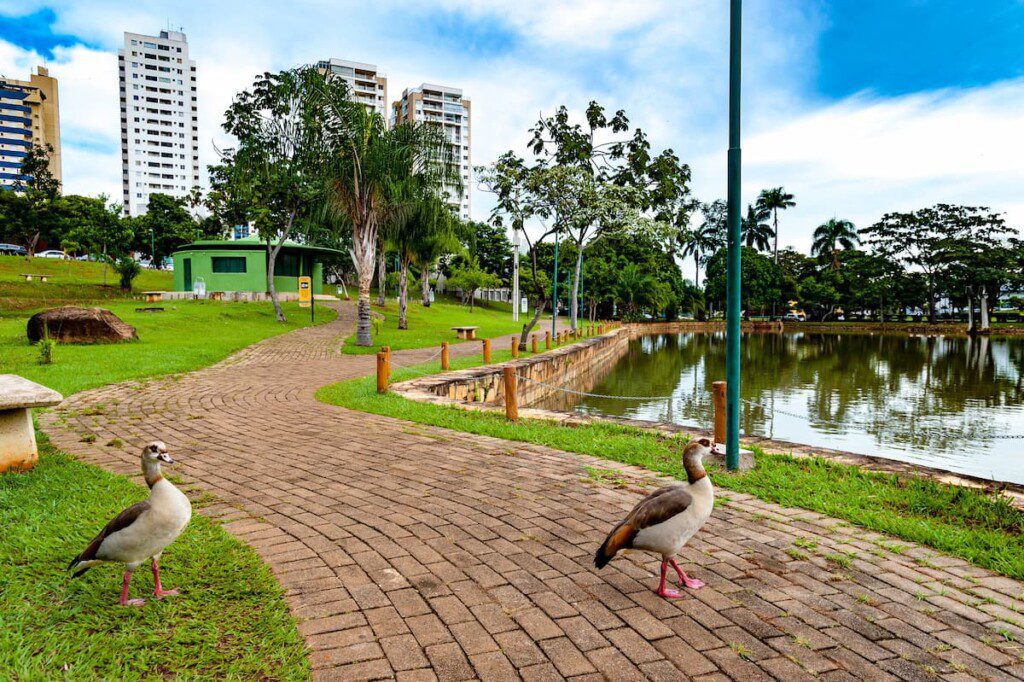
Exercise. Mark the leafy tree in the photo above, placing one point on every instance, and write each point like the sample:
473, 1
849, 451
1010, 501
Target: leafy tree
284, 139
831, 235
164, 227
429, 245
772, 201
708, 238
30, 212
755, 231
639, 291
931, 239
600, 176
470, 279
489, 244
127, 269
370, 176
96, 227
762, 280
229, 199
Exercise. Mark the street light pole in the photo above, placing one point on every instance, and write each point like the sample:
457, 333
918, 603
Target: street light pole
554, 291
515, 274
732, 307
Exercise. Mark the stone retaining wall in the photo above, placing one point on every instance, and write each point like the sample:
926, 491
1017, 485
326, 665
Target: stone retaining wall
579, 365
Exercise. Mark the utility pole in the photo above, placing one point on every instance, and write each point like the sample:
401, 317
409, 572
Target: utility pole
515, 274
733, 298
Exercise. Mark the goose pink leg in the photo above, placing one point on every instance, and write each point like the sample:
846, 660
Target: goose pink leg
663, 590
158, 589
125, 601
692, 583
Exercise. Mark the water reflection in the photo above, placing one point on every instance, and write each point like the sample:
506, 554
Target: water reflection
930, 400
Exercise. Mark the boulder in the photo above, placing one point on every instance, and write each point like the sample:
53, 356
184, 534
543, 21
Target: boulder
71, 324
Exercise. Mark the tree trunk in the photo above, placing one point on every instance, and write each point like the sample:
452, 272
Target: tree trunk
364, 241
403, 295
931, 299
381, 275
425, 285
984, 310
574, 299
696, 269
538, 309
472, 298
104, 265
271, 289
775, 211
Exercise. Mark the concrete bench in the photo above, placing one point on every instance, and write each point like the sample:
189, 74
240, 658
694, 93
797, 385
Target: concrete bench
29, 276
466, 332
153, 296
17, 437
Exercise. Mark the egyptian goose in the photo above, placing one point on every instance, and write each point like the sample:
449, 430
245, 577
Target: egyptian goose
666, 519
143, 530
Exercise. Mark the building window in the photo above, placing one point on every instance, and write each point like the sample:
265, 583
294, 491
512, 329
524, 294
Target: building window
228, 264
287, 265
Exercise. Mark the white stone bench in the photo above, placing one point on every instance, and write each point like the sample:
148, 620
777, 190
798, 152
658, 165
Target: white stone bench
465, 332
153, 296
30, 275
17, 437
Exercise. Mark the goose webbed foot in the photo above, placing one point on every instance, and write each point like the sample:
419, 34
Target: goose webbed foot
158, 589
160, 594
692, 583
663, 589
133, 602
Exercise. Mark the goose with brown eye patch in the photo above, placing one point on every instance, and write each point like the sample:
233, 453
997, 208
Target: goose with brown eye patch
142, 531
666, 519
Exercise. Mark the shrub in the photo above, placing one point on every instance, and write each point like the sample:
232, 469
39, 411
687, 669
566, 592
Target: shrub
128, 269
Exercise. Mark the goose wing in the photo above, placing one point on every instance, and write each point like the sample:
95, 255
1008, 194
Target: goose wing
658, 507
119, 522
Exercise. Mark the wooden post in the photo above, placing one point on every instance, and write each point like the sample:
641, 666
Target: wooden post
547, 340
487, 351
445, 364
533, 345
515, 347
511, 400
387, 352
383, 372
718, 398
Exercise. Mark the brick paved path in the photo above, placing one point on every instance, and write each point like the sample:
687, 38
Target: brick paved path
413, 552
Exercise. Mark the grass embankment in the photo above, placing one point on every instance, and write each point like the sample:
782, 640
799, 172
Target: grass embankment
430, 326
70, 283
982, 528
230, 621
185, 336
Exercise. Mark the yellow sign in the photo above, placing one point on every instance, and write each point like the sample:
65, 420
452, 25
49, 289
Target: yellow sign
305, 292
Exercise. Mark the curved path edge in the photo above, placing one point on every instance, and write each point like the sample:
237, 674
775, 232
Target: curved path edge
414, 552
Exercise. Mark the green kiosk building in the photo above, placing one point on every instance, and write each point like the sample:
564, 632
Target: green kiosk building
241, 265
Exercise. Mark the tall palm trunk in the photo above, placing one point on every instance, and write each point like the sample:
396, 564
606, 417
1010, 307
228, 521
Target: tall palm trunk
696, 269
775, 213
403, 294
425, 285
364, 239
381, 274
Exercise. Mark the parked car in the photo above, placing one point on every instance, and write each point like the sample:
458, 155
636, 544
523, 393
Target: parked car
794, 316
12, 250
53, 253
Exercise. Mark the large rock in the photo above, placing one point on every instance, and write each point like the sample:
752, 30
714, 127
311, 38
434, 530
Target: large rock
71, 324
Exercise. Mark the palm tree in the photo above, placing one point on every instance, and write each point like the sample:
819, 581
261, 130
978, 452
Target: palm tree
369, 182
755, 232
429, 245
830, 235
774, 200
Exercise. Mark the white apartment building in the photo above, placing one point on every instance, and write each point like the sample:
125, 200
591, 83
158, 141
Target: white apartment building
447, 107
159, 119
366, 84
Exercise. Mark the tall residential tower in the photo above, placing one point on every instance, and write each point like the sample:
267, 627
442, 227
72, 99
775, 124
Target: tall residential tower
446, 107
366, 84
159, 119
29, 116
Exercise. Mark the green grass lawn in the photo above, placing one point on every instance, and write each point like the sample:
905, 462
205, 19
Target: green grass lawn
186, 336
982, 528
430, 326
230, 621
70, 283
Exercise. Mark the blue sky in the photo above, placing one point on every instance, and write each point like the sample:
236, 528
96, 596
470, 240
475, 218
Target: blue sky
857, 107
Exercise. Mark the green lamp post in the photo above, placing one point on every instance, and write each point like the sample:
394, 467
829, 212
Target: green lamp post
732, 306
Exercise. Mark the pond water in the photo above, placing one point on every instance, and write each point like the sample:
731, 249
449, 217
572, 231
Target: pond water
936, 401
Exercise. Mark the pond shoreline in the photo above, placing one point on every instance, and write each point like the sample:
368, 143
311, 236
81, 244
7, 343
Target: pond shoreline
911, 328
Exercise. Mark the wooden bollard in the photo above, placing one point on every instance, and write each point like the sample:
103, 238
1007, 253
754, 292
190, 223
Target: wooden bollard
487, 351
383, 372
533, 345
511, 400
445, 359
718, 393
547, 340
515, 347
